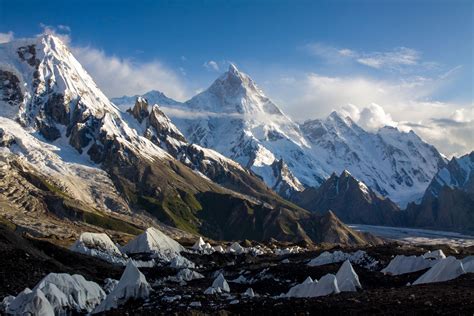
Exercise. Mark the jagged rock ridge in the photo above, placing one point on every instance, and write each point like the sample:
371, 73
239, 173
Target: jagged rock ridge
234, 117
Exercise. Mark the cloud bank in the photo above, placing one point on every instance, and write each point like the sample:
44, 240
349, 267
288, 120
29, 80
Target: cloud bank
117, 76
6, 37
405, 104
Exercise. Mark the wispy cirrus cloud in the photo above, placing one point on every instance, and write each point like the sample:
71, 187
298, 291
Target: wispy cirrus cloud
394, 59
400, 56
211, 65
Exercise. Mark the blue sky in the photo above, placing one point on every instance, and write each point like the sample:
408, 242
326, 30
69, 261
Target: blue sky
309, 56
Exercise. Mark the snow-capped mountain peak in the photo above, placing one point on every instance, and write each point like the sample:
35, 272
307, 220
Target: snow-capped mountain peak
47, 75
458, 173
234, 92
152, 97
246, 126
339, 118
47, 90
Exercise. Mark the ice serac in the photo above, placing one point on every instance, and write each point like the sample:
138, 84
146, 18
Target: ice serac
359, 257
154, 241
81, 295
407, 264
347, 278
31, 303
327, 285
58, 294
99, 245
132, 285
221, 283
444, 270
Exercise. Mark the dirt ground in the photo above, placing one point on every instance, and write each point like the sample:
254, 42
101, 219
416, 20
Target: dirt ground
24, 261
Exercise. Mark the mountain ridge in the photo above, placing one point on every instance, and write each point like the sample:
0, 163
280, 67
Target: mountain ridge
448, 202
352, 201
59, 123
238, 125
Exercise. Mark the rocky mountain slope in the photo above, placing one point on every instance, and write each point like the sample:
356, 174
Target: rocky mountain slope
234, 117
87, 163
351, 200
154, 125
392, 163
458, 173
448, 202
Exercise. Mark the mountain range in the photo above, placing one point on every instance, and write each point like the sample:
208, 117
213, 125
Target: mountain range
227, 164
448, 202
379, 178
72, 161
234, 117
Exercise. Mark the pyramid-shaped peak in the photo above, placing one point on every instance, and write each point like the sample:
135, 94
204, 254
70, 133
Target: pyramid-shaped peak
53, 42
233, 74
346, 173
140, 109
340, 120
233, 69
50, 37
336, 116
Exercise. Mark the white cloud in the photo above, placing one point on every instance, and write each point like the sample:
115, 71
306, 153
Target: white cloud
60, 31
400, 56
64, 28
118, 76
211, 65
315, 95
186, 113
371, 117
395, 59
406, 104
175, 112
330, 53
346, 52
374, 116
453, 135
6, 37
